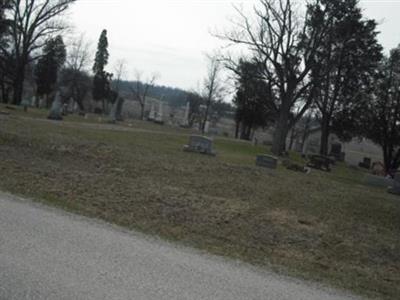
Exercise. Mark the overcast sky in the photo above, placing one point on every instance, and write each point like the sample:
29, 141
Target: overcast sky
170, 37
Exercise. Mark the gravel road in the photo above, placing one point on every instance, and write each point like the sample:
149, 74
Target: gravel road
46, 253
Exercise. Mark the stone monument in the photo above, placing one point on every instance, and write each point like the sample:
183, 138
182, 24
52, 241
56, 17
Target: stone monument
56, 109
159, 115
200, 144
152, 114
395, 187
267, 161
185, 122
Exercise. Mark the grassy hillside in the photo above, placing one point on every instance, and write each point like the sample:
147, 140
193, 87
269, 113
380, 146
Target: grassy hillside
325, 227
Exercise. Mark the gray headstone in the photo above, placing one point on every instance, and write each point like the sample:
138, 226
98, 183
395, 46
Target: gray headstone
120, 104
200, 144
152, 114
394, 188
186, 117
56, 108
159, 116
267, 161
378, 181
207, 127
113, 113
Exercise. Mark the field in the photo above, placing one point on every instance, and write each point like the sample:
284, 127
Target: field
326, 227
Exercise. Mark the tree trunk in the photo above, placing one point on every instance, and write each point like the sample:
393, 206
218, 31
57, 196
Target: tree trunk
142, 111
248, 132
395, 164
18, 82
104, 106
37, 101
325, 132
203, 125
4, 92
280, 134
279, 140
237, 129
243, 132
386, 158
47, 101
18, 87
292, 136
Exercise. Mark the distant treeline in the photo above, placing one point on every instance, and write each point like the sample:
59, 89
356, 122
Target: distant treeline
173, 96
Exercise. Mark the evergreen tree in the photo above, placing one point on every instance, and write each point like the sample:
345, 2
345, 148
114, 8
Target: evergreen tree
344, 66
101, 79
380, 120
254, 107
48, 67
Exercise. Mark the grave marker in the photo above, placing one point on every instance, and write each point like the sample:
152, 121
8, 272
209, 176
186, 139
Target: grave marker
395, 187
267, 161
200, 144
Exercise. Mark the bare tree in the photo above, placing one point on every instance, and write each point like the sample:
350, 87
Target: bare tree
75, 75
119, 74
212, 86
78, 54
32, 22
141, 89
286, 46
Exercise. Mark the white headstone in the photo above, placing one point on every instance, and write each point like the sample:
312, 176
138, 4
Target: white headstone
159, 116
207, 127
76, 107
113, 112
56, 108
186, 117
152, 114
160, 113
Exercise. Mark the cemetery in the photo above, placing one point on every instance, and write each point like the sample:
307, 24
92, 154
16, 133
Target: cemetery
326, 226
273, 142
200, 144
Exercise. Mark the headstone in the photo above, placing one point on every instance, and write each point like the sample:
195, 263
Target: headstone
378, 181
65, 109
25, 104
76, 107
161, 112
159, 115
207, 127
378, 169
320, 162
152, 114
366, 163
113, 113
295, 167
336, 151
56, 108
186, 117
394, 188
267, 161
200, 144
255, 141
